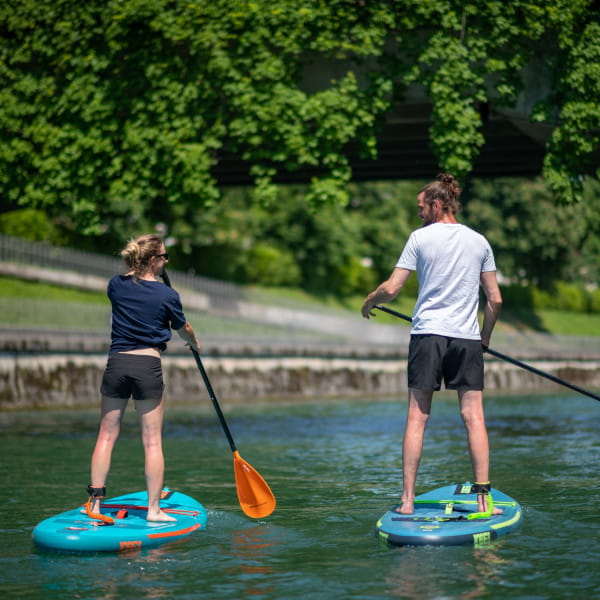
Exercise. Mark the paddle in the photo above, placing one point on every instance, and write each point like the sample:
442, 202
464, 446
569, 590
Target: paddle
255, 496
509, 359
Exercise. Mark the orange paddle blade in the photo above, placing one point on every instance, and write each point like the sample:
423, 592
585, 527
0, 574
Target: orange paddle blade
254, 494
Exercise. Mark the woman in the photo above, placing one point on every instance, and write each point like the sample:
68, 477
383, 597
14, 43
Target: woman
144, 310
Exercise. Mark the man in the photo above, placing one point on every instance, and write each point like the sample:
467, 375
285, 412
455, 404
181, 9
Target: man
451, 262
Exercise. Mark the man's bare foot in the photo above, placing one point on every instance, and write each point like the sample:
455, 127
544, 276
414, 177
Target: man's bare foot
406, 508
160, 516
482, 505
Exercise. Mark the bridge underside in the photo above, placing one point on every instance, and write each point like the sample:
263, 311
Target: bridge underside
511, 149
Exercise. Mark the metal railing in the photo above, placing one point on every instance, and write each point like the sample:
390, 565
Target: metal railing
231, 307
225, 297
42, 254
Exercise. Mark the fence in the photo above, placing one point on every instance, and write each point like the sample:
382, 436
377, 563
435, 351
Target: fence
235, 313
228, 311
44, 255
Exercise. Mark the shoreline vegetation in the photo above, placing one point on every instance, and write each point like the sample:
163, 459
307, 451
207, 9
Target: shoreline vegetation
16, 294
53, 343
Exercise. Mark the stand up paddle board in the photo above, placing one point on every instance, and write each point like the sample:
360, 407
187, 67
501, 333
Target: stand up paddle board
74, 530
445, 517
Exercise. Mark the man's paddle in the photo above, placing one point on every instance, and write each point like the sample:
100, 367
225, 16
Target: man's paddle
254, 494
509, 359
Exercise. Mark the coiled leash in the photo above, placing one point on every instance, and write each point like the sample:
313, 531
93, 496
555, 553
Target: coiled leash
483, 489
96, 493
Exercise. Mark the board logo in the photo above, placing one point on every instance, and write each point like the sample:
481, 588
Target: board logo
130, 545
481, 539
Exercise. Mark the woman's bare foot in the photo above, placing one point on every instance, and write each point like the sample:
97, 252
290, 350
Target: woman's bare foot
160, 516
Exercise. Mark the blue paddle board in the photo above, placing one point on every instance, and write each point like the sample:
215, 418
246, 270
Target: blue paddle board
441, 518
74, 530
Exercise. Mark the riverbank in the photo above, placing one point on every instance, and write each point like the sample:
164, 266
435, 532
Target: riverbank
315, 355
55, 380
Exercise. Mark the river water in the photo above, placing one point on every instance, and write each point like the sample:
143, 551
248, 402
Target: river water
334, 467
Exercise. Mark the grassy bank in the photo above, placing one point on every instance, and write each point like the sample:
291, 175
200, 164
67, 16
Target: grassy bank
37, 304
554, 322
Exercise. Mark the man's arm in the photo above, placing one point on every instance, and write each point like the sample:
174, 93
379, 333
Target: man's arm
387, 291
493, 304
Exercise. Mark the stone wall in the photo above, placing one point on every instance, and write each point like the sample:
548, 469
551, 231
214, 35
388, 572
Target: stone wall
69, 380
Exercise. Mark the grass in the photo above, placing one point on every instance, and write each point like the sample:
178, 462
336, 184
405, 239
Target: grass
37, 304
302, 299
11, 287
30, 304
570, 323
554, 322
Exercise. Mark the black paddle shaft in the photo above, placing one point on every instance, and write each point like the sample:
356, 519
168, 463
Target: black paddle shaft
211, 393
214, 401
509, 359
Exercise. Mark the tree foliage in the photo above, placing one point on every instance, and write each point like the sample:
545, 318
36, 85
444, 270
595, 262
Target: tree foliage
346, 250
535, 241
114, 112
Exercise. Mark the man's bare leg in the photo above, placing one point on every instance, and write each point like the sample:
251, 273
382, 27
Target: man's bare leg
419, 408
472, 413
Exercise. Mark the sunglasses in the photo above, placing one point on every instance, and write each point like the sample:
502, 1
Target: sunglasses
165, 255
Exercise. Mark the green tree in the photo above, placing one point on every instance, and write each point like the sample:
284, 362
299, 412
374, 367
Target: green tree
115, 113
535, 241
386, 213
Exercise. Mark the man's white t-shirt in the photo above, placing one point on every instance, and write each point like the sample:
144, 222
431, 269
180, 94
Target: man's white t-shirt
449, 259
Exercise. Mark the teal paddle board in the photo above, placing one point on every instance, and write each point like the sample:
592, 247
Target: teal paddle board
445, 516
74, 530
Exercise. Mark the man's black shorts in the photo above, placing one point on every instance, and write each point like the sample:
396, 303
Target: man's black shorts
128, 375
432, 358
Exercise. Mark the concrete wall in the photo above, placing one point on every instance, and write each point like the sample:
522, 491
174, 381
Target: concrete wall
69, 380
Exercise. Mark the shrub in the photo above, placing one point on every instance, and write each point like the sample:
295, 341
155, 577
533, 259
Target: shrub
517, 296
355, 278
29, 224
271, 266
564, 296
594, 301
571, 297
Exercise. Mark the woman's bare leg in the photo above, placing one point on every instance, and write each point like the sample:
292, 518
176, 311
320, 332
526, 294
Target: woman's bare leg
112, 412
150, 413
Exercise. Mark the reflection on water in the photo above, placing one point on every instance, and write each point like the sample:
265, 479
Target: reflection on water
334, 469
419, 573
251, 548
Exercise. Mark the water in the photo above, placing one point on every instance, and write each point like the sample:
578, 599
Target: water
334, 468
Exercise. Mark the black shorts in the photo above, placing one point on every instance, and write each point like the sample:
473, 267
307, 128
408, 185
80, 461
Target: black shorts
134, 375
433, 357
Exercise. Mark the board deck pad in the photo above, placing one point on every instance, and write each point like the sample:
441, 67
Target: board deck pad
441, 517
74, 530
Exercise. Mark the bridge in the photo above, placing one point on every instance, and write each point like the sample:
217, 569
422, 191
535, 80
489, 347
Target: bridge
404, 153
514, 146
